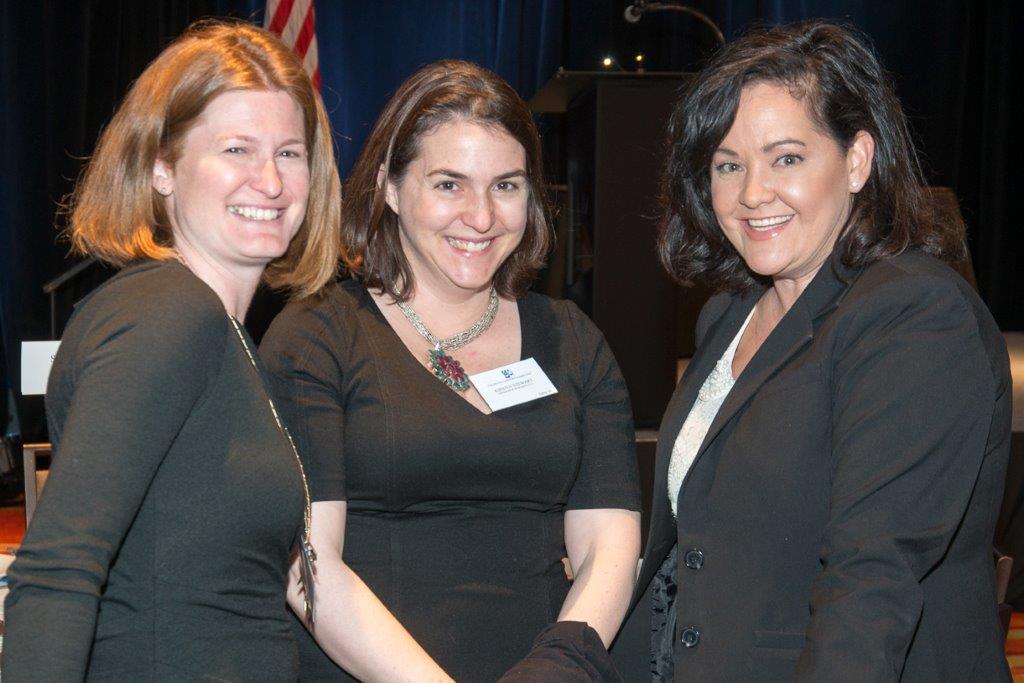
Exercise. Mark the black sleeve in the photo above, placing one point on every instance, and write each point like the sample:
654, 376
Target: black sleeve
565, 651
300, 352
608, 475
139, 370
913, 402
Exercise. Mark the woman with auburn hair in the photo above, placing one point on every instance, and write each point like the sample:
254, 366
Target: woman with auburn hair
176, 500
445, 499
830, 468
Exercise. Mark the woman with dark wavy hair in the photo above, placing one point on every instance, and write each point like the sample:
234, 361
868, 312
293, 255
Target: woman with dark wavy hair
831, 465
441, 518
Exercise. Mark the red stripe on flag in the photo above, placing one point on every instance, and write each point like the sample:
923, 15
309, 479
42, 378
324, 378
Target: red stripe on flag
280, 19
306, 33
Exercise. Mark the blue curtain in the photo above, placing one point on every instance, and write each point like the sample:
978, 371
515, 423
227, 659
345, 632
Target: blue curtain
368, 48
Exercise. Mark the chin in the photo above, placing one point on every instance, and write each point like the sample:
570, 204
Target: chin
472, 279
266, 247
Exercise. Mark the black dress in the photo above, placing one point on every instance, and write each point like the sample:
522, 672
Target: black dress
455, 518
160, 546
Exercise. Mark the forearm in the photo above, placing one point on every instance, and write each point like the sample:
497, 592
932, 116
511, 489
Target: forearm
358, 632
604, 568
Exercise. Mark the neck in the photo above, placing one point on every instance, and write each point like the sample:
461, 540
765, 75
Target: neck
448, 313
234, 287
787, 290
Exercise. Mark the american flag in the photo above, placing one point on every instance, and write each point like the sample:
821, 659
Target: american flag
295, 22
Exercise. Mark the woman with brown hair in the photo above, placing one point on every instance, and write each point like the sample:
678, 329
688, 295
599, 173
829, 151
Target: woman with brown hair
161, 545
445, 500
830, 468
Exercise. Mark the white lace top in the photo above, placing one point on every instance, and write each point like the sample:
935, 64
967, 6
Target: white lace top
712, 394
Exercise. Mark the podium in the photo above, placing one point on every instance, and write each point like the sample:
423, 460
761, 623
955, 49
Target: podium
610, 150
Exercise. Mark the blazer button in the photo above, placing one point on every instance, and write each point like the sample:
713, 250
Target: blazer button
693, 559
690, 637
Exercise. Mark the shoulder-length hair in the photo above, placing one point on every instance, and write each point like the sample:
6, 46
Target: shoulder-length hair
434, 95
117, 216
835, 73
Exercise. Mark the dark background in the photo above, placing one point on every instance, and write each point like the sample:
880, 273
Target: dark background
65, 65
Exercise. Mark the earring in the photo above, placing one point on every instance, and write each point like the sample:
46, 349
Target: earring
164, 190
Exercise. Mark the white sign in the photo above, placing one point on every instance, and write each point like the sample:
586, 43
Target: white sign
513, 384
36, 361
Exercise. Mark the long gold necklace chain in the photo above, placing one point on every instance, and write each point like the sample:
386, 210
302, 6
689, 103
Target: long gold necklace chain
308, 555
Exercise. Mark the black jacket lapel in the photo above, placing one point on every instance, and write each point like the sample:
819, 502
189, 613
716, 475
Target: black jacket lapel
661, 534
793, 332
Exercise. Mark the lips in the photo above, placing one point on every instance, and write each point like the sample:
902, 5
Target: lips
255, 213
759, 229
470, 246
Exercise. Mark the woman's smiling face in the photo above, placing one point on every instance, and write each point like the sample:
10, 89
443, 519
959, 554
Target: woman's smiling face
236, 195
462, 205
781, 188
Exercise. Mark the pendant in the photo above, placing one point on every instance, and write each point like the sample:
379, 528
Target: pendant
307, 568
448, 370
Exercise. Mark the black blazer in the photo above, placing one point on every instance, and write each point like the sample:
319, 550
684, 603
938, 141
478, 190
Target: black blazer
837, 522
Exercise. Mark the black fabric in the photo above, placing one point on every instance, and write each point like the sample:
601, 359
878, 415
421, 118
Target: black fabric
454, 518
160, 545
566, 651
845, 496
663, 619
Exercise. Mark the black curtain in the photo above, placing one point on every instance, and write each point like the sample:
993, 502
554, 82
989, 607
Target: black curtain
63, 68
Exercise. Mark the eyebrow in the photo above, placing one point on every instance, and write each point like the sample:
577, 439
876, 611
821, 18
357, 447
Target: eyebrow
778, 143
462, 176
249, 138
767, 148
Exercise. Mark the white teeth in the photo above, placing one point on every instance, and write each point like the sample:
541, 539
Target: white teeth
763, 223
468, 246
254, 213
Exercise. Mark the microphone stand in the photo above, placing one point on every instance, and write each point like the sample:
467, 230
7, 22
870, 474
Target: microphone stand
635, 13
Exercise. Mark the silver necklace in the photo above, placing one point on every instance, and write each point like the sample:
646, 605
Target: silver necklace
444, 367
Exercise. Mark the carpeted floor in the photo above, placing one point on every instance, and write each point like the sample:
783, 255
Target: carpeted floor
1015, 647
12, 528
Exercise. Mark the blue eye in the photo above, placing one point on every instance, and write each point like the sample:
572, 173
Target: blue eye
789, 159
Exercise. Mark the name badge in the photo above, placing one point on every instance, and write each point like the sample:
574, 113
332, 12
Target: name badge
513, 384
36, 360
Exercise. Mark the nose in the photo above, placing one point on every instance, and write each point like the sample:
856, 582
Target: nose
479, 212
268, 180
757, 190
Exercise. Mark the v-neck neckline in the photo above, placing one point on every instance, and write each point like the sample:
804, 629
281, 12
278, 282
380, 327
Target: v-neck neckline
427, 374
